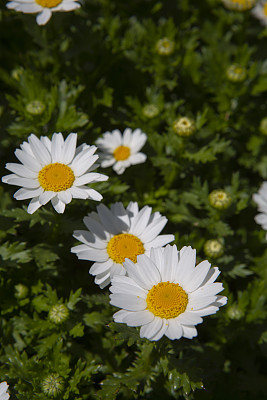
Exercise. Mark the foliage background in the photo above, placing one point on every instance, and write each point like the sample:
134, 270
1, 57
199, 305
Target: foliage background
95, 70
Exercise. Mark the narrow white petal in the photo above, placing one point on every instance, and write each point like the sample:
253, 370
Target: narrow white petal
153, 229
99, 267
24, 182
28, 160
78, 193
159, 241
58, 205
157, 257
89, 239
132, 209
23, 194
44, 16
127, 137
34, 205
46, 142
46, 196
65, 196
91, 254
209, 290
189, 331
186, 264
212, 275
119, 211
150, 330
140, 221
69, 148
127, 289
128, 302
94, 195
119, 168
3, 387
174, 330
57, 147
145, 278
197, 277
108, 162
21, 170
189, 318
95, 227
169, 271
103, 280
120, 315
162, 331
148, 270
138, 158
116, 269
90, 177
138, 318
83, 162
138, 141
111, 222
39, 150
198, 302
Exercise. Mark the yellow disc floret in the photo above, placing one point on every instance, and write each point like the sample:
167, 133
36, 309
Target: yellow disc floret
48, 3
124, 246
56, 177
122, 153
265, 9
167, 300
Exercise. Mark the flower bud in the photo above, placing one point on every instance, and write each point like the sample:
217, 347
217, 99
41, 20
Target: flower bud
53, 385
58, 314
220, 199
165, 46
236, 73
21, 291
234, 312
213, 248
184, 126
150, 110
35, 107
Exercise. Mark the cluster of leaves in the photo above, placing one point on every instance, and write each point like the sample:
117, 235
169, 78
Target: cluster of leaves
96, 70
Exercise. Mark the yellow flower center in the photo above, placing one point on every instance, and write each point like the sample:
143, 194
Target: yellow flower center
121, 153
124, 246
265, 9
48, 3
167, 300
56, 177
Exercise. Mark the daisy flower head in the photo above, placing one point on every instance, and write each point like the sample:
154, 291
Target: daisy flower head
260, 12
120, 150
116, 234
260, 199
3, 391
166, 294
239, 5
54, 170
44, 8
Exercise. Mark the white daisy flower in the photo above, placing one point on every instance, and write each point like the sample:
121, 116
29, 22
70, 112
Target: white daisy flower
117, 234
166, 294
260, 12
44, 8
54, 170
120, 150
3, 391
260, 199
